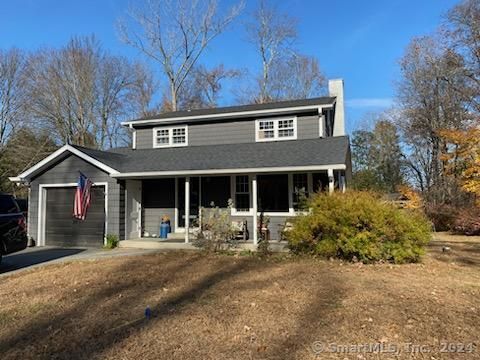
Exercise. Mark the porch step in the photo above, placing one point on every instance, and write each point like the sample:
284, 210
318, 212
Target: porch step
176, 236
155, 244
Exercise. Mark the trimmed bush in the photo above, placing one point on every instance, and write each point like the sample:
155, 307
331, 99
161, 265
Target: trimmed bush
358, 225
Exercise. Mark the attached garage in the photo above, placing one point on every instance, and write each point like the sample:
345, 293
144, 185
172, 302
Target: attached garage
61, 229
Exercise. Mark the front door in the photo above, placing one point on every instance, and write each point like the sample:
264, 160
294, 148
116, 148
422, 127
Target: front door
194, 202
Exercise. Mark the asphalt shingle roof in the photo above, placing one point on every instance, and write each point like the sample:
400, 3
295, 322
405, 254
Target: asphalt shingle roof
240, 108
326, 151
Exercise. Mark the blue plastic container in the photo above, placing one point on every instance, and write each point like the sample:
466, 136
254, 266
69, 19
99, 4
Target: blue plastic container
164, 230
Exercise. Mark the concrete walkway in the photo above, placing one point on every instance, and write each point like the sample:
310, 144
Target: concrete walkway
40, 256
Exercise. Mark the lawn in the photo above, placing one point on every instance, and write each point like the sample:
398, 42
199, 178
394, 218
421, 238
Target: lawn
242, 307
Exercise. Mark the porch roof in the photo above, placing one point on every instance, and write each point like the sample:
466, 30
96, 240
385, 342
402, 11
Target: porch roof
232, 157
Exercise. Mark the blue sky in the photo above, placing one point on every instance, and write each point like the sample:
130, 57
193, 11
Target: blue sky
359, 41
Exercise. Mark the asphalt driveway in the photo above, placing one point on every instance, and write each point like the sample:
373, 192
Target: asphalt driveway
39, 256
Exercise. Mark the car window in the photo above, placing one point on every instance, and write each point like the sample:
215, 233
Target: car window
8, 205
22, 204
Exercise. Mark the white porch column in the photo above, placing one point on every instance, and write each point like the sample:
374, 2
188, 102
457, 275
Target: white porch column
187, 208
290, 194
255, 208
331, 181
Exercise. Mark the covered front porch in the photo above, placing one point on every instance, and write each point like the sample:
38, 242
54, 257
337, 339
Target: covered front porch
184, 199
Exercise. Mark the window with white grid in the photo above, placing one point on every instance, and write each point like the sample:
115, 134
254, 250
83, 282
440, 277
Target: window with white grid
276, 129
179, 136
242, 193
174, 136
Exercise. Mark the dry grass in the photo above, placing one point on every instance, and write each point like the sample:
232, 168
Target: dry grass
225, 307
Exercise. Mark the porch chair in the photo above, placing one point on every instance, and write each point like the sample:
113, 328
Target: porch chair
240, 229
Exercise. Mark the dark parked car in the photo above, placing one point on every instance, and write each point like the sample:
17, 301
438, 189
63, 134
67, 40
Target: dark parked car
13, 230
23, 205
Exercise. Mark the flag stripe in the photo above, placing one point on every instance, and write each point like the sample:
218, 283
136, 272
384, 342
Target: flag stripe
82, 197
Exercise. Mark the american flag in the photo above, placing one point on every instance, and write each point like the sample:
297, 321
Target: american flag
82, 197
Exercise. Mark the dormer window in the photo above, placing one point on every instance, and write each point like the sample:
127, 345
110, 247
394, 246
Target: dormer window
171, 136
276, 129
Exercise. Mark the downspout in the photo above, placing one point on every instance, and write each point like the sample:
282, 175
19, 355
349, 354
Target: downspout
134, 137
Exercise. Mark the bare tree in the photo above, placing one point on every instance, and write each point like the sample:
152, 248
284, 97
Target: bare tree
81, 92
273, 34
285, 74
175, 33
429, 104
463, 32
145, 89
12, 94
202, 89
297, 77
24, 148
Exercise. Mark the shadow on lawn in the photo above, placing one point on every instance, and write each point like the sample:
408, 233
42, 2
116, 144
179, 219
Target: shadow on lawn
83, 332
315, 322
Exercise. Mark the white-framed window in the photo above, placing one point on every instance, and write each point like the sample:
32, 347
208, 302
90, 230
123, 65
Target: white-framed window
170, 136
300, 190
276, 129
242, 193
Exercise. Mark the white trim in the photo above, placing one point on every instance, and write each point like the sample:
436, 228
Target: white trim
276, 129
280, 213
126, 227
176, 227
227, 115
331, 181
63, 149
290, 193
199, 202
134, 136
139, 210
42, 205
230, 171
170, 136
233, 184
254, 209
321, 126
187, 209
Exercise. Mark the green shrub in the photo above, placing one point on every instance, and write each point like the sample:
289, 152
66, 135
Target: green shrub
359, 225
112, 241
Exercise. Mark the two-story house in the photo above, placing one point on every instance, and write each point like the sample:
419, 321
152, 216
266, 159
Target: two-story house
260, 158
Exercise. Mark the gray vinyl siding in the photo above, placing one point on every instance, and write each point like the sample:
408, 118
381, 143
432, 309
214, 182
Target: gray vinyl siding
66, 171
231, 132
144, 138
234, 132
276, 225
152, 217
158, 199
308, 127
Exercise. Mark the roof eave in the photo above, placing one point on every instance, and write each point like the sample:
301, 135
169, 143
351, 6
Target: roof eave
151, 174
236, 114
32, 171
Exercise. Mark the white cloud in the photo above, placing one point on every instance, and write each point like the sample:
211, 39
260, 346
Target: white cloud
369, 103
